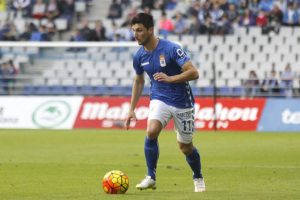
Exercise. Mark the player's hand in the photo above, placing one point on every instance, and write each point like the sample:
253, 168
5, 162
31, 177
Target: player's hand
130, 117
160, 76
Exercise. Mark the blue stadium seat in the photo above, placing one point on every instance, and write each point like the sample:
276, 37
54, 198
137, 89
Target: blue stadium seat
208, 91
196, 91
120, 90
127, 90
57, 90
237, 91
71, 90
102, 90
224, 91
29, 90
87, 90
43, 90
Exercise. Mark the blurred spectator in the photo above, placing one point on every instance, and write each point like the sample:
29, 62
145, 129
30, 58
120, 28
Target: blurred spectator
254, 7
194, 9
180, 25
274, 20
270, 85
29, 29
243, 5
204, 11
126, 3
161, 4
8, 32
12, 34
38, 10
7, 73
118, 38
216, 13
251, 84
131, 13
247, 19
290, 15
115, 10
225, 26
85, 31
170, 4
50, 28
276, 14
232, 13
234, 2
76, 37
287, 78
147, 3
98, 33
22, 8
52, 10
67, 9
208, 27
147, 10
113, 31
266, 5
25, 36
4, 29
40, 34
194, 28
282, 4
165, 25
261, 19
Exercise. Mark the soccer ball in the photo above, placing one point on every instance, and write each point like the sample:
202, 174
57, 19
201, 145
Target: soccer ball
115, 182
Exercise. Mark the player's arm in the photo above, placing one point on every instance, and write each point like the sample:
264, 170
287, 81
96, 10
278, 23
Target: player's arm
137, 89
189, 72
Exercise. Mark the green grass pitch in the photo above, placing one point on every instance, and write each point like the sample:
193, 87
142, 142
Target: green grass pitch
62, 165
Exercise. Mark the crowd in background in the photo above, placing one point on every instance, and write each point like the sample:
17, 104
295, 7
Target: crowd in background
214, 17
7, 72
42, 14
272, 85
196, 17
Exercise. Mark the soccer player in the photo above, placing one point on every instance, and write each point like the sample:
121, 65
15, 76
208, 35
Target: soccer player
169, 69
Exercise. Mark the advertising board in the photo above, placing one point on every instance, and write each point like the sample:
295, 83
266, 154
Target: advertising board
230, 114
281, 115
49, 112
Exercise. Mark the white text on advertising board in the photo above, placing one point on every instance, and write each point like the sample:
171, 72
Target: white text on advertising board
100, 111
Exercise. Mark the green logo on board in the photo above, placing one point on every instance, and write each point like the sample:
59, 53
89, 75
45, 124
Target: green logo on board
51, 114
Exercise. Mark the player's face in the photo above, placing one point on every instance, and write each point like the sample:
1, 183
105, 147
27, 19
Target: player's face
141, 33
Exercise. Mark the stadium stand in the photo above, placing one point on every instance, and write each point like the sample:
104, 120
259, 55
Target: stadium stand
225, 39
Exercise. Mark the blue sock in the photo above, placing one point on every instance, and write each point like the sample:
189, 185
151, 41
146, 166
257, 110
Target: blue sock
151, 154
194, 161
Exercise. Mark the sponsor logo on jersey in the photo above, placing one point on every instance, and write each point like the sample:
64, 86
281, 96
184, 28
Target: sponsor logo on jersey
180, 53
162, 61
144, 64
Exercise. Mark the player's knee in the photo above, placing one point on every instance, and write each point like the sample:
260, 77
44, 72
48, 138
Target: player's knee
186, 149
153, 129
152, 133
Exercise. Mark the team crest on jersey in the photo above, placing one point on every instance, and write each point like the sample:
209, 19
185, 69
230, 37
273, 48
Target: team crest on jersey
162, 61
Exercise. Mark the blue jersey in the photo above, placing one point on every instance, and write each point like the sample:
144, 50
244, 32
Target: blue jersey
168, 58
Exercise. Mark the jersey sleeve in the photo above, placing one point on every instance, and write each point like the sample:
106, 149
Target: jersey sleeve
137, 65
179, 55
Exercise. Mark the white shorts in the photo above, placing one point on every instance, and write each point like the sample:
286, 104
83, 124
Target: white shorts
183, 119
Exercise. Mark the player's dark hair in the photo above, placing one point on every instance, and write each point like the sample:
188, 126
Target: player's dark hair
143, 18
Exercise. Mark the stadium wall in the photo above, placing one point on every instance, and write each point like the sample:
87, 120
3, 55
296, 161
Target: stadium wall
73, 112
